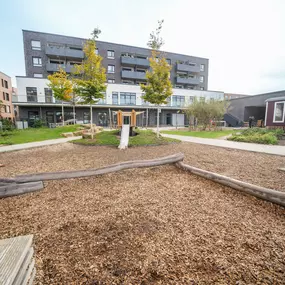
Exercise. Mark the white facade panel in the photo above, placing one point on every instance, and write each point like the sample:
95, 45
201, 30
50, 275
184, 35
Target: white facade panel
41, 84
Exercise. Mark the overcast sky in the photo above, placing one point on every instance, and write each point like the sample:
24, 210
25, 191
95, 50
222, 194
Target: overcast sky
244, 40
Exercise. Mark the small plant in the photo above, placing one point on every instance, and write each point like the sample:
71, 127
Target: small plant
38, 124
7, 125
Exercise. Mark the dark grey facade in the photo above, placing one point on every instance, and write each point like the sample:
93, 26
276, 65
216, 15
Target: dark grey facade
45, 52
240, 109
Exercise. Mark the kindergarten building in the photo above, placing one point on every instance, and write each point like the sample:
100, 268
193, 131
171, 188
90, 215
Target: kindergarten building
126, 68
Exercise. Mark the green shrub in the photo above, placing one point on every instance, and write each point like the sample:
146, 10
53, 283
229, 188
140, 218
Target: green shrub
268, 138
37, 124
7, 125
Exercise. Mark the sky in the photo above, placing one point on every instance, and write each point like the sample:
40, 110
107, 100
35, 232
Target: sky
244, 40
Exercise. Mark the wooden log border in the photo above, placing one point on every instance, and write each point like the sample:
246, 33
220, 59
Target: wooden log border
267, 194
99, 171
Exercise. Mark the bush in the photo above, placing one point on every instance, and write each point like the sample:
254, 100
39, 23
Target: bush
37, 124
7, 125
258, 135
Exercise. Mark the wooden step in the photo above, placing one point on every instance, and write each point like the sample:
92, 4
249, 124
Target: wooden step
16, 260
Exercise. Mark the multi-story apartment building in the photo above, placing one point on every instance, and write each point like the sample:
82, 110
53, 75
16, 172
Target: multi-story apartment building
7, 110
126, 68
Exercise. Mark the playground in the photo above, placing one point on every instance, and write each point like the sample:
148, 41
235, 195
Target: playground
158, 225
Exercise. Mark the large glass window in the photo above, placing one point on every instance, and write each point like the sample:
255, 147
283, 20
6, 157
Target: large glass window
86, 117
178, 101
48, 95
36, 45
127, 98
37, 61
111, 68
115, 98
279, 112
32, 95
110, 54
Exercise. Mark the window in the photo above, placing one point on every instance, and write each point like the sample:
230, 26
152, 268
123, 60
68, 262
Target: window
31, 94
191, 99
8, 109
201, 88
86, 117
179, 86
48, 95
6, 84
178, 101
115, 98
110, 54
202, 67
4, 96
7, 97
2, 80
36, 45
201, 78
111, 68
37, 61
168, 60
96, 51
76, 48
38, 75
127, 98
202, 99
111, 80
278, 112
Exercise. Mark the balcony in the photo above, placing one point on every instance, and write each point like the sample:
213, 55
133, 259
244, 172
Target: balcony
133, 75
64, 52
187, 80
53, 67
187, 68
125, 60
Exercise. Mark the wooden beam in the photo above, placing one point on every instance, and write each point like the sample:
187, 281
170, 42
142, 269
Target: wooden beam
267, 194
14, 189
99, 171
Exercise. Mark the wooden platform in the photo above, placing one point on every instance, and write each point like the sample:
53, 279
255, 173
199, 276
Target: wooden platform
17, 264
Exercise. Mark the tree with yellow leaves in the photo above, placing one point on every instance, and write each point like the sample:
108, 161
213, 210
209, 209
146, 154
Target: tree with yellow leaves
158, 87
61, 87
90, 77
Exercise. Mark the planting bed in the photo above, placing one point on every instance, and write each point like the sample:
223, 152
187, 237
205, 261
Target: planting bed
157, 225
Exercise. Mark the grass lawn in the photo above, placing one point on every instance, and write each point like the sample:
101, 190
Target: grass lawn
200, 134
34, 134
144, 137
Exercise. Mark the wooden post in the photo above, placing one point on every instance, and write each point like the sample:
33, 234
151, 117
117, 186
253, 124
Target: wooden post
119, 118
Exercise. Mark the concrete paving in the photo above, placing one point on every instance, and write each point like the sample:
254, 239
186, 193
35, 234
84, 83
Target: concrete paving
36, 144
270, 149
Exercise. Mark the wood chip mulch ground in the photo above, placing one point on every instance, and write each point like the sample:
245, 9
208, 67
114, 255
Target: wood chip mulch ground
149, 226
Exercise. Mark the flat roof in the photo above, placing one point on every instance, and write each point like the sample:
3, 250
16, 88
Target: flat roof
108, 43
5, 74
275, 99
249, 96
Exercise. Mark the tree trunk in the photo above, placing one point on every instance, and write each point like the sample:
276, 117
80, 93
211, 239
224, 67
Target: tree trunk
62, 112
91, 121
174, 158
74, 120
157, 123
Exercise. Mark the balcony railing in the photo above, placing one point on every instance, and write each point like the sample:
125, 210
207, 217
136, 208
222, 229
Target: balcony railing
133, 75
64, 52
187, 80
53, 67
187, 68
134, 61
